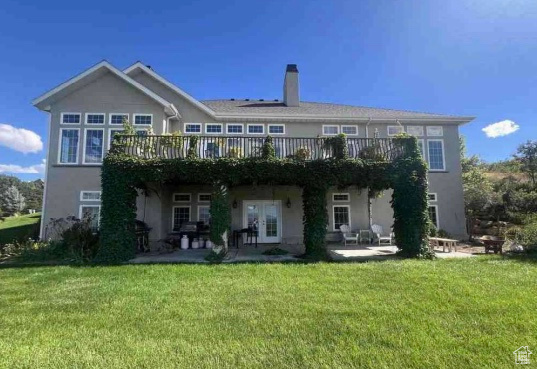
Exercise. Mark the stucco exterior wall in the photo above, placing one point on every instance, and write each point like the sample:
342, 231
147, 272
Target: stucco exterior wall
107, 94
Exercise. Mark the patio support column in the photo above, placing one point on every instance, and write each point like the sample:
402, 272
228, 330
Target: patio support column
118, 215
409, 203
315, 220
220, 212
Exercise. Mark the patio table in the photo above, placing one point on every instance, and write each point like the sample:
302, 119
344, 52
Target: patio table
437, 242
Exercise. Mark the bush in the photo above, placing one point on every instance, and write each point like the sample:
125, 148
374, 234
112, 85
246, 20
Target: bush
526, 235
30, 250
79, 239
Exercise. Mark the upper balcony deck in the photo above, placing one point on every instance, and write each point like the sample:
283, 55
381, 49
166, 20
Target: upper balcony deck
211, 147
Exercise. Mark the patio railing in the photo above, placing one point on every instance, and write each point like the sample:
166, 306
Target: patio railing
179, 147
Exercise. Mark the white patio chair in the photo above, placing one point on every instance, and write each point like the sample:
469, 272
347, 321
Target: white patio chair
347, 234
379, 234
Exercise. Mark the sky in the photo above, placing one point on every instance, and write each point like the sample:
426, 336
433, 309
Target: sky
460, 57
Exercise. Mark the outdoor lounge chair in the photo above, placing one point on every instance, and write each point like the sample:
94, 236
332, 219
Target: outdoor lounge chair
379, 234
348, 235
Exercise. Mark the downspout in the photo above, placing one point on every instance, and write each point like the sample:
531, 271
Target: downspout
175, 115
369, 203
367, 128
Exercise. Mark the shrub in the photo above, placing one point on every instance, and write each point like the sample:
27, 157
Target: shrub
302, 153
30, 250
77, 236
526, 234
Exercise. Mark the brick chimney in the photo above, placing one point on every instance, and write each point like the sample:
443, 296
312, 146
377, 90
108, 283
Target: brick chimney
291, 96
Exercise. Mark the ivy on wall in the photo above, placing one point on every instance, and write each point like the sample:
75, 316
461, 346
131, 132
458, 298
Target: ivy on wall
220, 218
122, 174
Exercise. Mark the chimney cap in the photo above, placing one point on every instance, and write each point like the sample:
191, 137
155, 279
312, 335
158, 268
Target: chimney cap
291, 68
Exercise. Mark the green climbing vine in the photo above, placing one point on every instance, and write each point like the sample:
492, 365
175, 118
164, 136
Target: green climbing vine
122, 174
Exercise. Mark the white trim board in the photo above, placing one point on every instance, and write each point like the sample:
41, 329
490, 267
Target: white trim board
43, 102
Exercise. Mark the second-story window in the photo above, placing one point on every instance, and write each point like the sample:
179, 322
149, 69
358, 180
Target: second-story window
349, 130
395, 130
276, 129
93, 148
235, 129
213, 128
436, 154
143, 119
118, 118
256, 129
330, 130
94, 118
192, 127
70, 118
69, 146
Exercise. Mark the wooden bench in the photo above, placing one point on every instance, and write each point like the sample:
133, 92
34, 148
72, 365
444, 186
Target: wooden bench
444, 242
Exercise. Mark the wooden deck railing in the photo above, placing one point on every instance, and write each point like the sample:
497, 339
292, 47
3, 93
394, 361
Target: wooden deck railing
178, 147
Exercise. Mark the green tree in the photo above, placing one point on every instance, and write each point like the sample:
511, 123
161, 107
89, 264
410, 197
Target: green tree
526, 155
12, 201
478, 189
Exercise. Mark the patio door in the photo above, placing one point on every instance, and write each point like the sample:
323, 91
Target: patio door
268, 214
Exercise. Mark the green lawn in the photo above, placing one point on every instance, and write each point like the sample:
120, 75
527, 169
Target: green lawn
24, 226
398, 314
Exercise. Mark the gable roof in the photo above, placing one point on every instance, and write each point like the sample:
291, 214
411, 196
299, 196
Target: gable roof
319, 110
139, 66
43, 102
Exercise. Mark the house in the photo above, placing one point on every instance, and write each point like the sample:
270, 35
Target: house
87, 110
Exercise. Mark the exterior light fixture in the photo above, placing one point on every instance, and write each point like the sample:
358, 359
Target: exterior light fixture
235, 204
288, 203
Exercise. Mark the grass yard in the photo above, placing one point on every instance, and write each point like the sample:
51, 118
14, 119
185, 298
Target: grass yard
24, 226
401, 314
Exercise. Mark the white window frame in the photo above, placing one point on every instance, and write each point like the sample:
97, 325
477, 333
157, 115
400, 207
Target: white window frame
341, 193
352, 126
431, 134
84, 149
117, 124
419, 131
424, 148
71, 113
255, 133
90, 206
203, 193
179, 207
193, 124
330, 125
60, 147
234, 124
142, 115
443, 155
110, 135
434, 195
94, 124
275, 125
437, 214
202, 206
182, 201
84, 192
214, 124
334, 215
394, 134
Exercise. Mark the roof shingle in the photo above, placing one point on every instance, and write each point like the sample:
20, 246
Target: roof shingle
277, 108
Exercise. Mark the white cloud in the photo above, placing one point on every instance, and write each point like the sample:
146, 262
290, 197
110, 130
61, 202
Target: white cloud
20, 139
499, 129
17, 169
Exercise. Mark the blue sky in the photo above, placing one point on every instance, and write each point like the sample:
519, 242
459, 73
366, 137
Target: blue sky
462, 57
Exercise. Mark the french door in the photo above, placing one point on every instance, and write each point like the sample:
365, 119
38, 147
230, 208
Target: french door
268, 214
